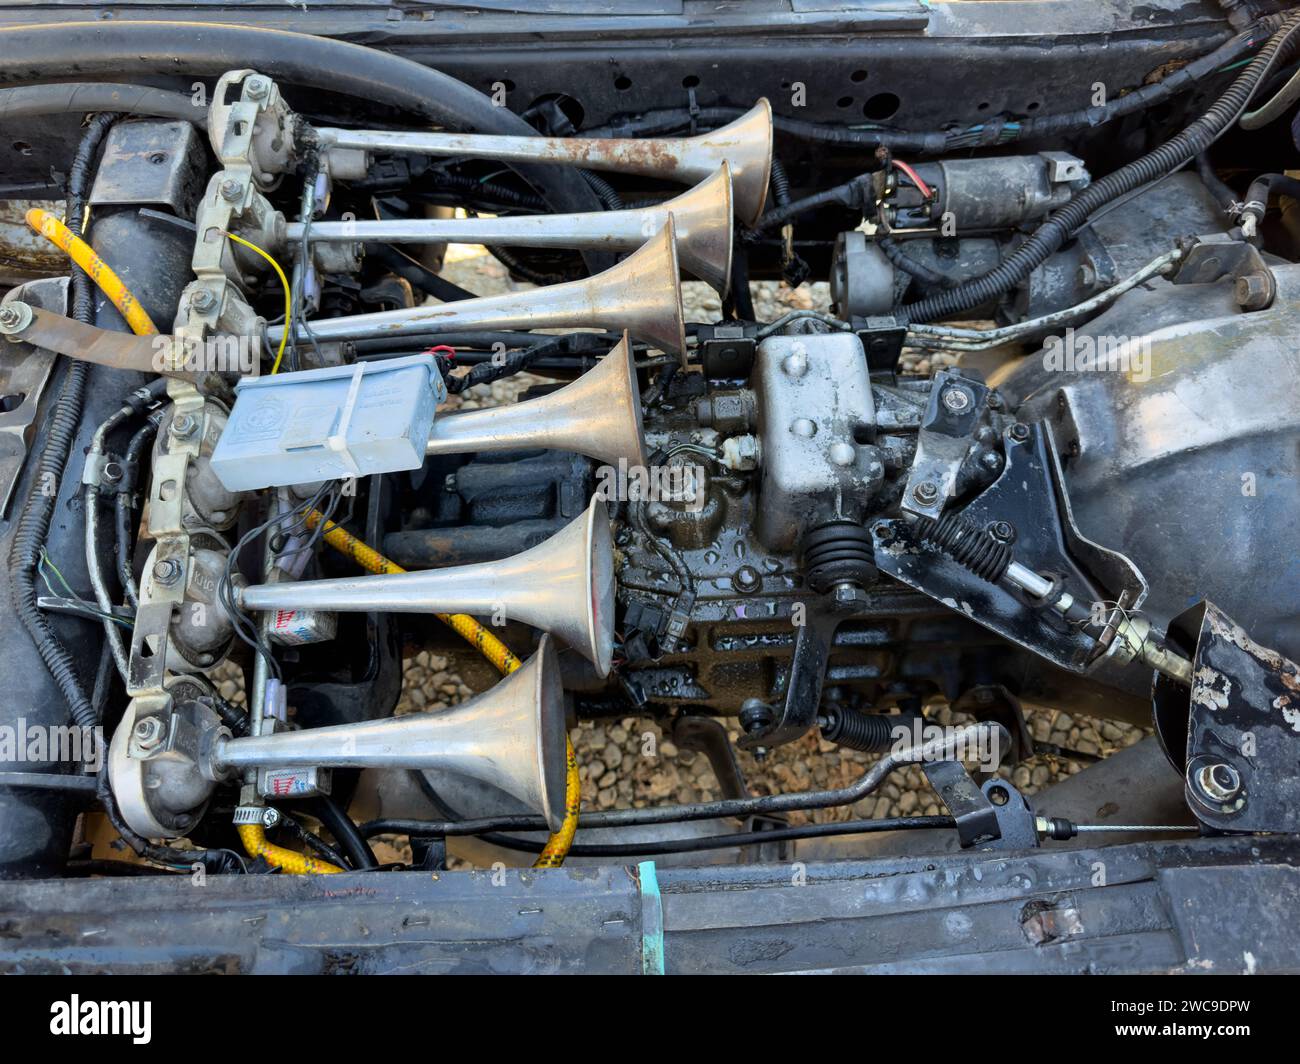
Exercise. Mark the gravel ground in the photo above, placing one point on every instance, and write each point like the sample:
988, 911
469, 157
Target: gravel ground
630, 761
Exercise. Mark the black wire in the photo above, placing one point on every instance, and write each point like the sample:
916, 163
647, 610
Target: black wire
918, 270
722, 842
124, 505
51, 461
313, 841
215, 860
519, 360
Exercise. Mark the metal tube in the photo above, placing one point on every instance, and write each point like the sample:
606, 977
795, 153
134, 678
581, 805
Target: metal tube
701, 221
745, 145
642, 294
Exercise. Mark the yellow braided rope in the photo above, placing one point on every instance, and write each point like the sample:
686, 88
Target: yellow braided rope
84, 256
557, 846
299, 864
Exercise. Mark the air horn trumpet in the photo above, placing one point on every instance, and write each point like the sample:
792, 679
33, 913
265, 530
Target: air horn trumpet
598, 415
641, 294
745, 145
564, 586
702, 220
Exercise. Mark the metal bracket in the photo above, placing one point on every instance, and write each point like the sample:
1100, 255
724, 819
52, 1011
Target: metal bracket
803, 690
1235, 734
957, 406
993, 817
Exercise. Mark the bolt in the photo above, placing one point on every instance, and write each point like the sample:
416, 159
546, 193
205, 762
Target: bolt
157, 157
1019, 432
795, 364
843, 454
15, 317
848, 594
746, 579
802, 426
148, 733
1002, 531
113, 472
167, 571
755, 714
256, 88
926, 492
184, 425
449, 482
1254, 291
232, 190
957, 400
203, 300
270, 817
1219, 782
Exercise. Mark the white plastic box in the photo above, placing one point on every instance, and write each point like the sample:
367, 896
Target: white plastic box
325, 424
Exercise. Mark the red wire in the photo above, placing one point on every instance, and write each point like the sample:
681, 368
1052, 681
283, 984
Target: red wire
438, 349
915, 178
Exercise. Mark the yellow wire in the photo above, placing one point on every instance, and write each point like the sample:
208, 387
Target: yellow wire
288, 296
84, 256
557, 846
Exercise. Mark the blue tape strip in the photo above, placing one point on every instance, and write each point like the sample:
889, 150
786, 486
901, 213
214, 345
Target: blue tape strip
652, 920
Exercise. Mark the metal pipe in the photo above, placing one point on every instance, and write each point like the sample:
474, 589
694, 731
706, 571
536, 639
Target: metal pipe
642, 294
745, 145
701, 217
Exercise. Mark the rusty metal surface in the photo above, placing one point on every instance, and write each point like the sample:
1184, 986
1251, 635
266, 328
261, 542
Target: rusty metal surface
24, 254
1240, 716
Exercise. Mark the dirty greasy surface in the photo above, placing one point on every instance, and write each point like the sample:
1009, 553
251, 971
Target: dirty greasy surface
630, 762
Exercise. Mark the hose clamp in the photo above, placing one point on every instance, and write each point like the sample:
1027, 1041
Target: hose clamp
263, 815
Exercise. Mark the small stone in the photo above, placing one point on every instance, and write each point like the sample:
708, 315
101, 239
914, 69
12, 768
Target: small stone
863, 808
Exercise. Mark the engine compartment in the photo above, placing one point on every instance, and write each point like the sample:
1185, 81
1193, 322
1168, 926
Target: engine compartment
231, 447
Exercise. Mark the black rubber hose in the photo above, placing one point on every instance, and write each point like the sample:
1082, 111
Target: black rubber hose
28, 101
854, 194
1263, 187
1053, 232
38, 510
1218, 188
34, 53
416, 273
354, 845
